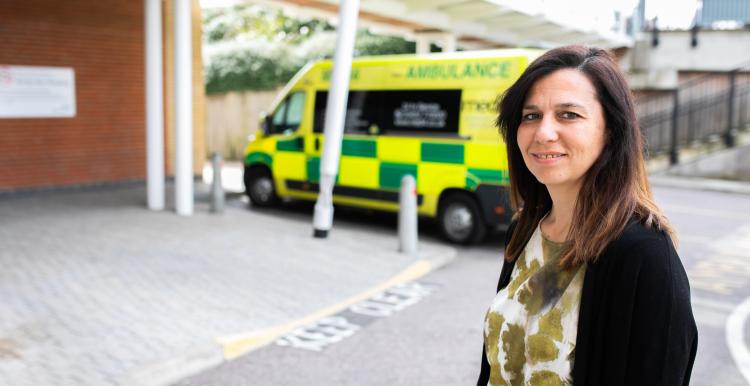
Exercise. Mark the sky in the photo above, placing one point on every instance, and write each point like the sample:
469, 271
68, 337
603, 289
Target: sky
672, 13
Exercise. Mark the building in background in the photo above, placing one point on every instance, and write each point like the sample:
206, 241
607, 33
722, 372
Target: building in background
731, 13
97, 47
102, 139
714, 38
691, 77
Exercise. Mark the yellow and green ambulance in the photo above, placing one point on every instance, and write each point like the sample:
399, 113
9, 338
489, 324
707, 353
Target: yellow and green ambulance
431, 116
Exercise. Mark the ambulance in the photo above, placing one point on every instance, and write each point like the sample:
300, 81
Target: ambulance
432, 116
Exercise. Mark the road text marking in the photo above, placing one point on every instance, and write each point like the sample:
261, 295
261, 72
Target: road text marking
332, 329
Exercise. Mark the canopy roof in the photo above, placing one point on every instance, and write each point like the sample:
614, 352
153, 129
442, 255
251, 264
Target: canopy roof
475, 24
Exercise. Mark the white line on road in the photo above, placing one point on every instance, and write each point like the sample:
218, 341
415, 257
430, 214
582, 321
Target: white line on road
726, 307
735, 336
706, 212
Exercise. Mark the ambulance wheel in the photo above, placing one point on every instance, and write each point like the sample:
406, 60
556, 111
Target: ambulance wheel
460, 220
259, 186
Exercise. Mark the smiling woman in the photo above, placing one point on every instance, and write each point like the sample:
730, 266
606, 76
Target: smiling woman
562, 130
591, 291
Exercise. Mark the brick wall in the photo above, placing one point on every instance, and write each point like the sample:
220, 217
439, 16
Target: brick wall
102, 40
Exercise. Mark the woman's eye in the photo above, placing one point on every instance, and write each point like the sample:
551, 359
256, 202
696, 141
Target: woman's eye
530, 116
569, 115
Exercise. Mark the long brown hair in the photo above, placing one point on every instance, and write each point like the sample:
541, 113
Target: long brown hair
615, 189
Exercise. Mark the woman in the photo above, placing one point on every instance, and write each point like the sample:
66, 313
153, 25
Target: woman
592, 291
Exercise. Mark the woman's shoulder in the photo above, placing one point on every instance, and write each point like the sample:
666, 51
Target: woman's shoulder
642, 237
640, 246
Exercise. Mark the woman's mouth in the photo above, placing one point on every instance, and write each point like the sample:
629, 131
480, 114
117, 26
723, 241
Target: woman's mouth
548, 156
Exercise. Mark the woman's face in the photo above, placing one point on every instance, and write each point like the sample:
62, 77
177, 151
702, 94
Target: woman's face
562, 129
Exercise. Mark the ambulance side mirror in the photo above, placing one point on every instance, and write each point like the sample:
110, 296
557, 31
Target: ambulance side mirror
265, 124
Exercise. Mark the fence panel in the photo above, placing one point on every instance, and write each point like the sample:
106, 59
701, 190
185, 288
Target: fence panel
712, 107
232, 117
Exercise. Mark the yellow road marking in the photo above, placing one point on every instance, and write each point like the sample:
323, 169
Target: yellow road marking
239, 344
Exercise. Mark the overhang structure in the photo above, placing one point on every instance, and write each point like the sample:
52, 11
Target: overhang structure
466, 24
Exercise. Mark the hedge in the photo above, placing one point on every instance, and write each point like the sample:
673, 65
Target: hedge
263, 65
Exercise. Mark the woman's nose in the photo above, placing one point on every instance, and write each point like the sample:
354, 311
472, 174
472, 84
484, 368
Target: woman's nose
546, 131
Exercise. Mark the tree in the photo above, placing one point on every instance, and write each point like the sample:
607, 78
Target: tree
250, 22
250, 48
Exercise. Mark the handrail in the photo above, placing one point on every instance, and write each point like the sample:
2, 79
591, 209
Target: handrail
742, 67
714, 105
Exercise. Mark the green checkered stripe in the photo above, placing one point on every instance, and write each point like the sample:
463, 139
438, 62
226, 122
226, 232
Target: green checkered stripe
390, 172
258, 157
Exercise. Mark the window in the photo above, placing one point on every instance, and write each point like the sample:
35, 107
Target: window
295, 109
406, 112
288, 116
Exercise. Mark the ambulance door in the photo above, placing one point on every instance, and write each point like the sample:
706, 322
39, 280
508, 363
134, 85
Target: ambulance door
358, 165
289, 159
314, 140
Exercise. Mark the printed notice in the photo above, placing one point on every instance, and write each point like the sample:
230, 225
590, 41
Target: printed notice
37, 92
420, 115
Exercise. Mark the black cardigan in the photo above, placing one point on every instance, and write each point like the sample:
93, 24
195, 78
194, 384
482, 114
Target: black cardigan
635, 323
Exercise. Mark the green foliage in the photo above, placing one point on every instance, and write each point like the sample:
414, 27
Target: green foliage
256, 65
368, 44
249, 22
249, 48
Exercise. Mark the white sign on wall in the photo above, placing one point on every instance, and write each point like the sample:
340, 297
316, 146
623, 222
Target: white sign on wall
37, 92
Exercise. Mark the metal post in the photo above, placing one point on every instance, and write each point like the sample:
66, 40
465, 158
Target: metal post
183, 91
655, 35
217, 189
674, 152
691, 123
407, 216
729, 135
335, 114
694, 36
154, 107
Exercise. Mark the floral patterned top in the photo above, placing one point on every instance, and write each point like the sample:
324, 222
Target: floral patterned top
530, 329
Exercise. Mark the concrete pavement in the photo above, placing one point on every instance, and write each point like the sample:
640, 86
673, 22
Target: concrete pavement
99, 291
96, 290
696, 183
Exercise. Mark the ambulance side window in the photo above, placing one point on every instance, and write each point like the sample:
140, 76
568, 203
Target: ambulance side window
363, 112
396, 112
422, 112
295, 108
277, 123
288, 116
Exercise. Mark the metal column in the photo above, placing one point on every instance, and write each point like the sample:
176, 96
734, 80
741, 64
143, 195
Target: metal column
183, 91
729, 135
335, 114
154, 106
674, 139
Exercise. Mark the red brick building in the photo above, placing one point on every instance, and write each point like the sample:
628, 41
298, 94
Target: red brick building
103, 42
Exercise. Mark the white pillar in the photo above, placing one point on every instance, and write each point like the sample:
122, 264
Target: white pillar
449, 42
154, 107
423, 44
183, 92
335, 113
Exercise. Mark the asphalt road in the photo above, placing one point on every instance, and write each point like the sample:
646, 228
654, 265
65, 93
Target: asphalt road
436, 339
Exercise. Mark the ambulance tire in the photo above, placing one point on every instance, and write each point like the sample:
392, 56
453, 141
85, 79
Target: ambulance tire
259, 186
460, 220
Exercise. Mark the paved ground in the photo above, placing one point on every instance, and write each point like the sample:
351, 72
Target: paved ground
437, 341
98, 291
